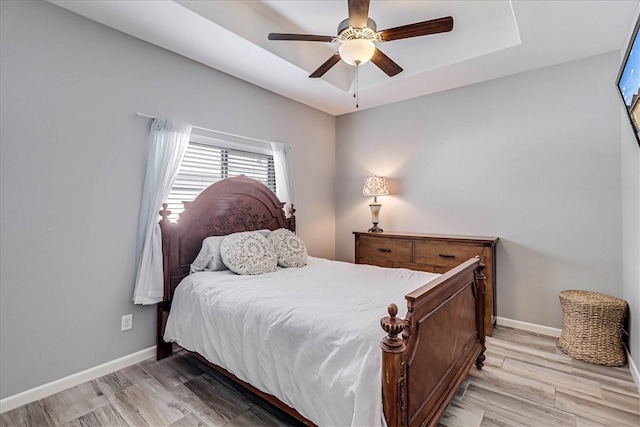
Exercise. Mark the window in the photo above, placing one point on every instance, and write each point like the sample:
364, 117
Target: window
209, 160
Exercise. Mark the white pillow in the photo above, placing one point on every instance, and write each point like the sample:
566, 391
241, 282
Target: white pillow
248, 253
290, 248
209, 258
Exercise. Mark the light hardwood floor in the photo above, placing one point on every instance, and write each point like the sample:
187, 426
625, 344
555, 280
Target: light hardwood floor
526, 381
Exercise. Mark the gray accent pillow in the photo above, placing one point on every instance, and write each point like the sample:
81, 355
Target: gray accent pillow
290, 248
265, 232
209, 258
248, 253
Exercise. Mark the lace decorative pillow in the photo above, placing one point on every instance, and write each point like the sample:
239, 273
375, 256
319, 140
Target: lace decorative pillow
290, 248
209, 257
248, 253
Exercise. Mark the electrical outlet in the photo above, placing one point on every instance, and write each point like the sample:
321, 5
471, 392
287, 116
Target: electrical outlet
127, 322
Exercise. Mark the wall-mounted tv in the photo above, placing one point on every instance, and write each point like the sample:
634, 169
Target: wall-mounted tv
629, 81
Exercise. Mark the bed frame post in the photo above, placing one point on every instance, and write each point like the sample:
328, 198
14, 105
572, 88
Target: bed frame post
163, 348
394, 395
165, 232
481, 282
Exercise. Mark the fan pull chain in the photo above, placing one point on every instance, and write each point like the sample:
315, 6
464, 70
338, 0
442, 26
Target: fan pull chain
355, 84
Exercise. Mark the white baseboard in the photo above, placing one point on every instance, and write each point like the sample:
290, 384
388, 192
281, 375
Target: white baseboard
73, 380
554, 332
529, 327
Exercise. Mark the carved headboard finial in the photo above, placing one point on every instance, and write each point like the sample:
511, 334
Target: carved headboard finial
164, 212
392, 326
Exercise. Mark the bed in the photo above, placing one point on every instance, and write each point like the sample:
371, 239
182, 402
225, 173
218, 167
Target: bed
405, 373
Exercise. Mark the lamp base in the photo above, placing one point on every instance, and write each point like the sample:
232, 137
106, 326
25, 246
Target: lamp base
375, 228
375, 215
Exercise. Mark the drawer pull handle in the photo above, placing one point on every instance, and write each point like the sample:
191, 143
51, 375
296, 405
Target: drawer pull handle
384, 249
446, 256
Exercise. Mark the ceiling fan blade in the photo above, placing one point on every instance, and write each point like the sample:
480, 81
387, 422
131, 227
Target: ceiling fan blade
300, 37
326, 66
434, 26
358, 13
385, 63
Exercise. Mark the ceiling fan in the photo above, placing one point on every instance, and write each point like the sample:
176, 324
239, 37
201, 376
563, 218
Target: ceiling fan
357, 34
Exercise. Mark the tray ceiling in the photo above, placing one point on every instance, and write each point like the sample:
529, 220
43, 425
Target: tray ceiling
490, 39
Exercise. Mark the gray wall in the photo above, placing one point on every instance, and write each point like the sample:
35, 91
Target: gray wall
553, 177
631, 235
631, 227
72, 164
533, 159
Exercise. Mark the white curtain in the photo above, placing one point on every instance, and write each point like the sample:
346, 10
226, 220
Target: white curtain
167, 144
284, 175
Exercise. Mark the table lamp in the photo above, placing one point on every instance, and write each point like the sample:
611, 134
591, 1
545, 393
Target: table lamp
375, 186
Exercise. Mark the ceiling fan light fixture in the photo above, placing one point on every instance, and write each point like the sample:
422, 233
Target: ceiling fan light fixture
357, 51
356, 35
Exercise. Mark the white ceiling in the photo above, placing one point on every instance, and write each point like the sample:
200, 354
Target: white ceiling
490, 39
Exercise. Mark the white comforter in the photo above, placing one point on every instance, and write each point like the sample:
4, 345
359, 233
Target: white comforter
309, 336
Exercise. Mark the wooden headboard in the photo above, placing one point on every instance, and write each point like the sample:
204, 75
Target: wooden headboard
228, 206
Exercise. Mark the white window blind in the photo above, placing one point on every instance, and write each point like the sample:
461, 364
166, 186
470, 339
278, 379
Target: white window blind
205, 163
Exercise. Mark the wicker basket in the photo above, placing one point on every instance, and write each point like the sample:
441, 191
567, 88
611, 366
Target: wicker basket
592, 327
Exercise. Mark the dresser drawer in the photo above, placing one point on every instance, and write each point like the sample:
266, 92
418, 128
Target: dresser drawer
446, 254
386, 249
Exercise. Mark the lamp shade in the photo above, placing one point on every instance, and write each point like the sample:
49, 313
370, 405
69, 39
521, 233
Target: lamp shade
357, 51
376, 186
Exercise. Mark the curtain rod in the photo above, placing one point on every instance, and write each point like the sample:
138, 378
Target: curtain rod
139, 114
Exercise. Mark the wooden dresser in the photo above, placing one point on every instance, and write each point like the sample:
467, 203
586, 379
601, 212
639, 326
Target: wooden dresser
435, 253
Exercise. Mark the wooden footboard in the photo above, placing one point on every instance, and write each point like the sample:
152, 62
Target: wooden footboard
427, 355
